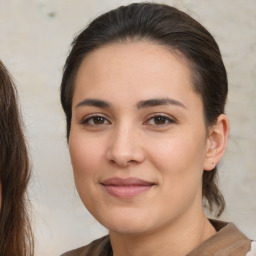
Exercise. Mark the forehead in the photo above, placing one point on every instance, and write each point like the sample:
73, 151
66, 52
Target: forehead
144, 68
142, 54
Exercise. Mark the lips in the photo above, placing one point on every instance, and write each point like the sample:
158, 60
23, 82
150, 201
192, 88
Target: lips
126, 188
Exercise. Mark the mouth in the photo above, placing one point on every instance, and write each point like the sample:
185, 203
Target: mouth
126, 188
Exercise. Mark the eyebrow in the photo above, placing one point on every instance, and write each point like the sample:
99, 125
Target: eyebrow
141, 104
94, 103
159, 102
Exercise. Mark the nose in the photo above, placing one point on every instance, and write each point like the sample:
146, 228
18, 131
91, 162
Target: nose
125, 147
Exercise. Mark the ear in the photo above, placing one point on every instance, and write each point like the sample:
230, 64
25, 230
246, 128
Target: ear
216, 142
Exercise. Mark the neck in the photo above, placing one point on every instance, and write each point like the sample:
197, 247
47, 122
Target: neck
177, 238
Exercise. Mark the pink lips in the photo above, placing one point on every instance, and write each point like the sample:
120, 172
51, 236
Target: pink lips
126, 188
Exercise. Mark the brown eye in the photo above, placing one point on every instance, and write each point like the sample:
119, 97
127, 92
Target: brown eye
160, 120
95, 121
98, 120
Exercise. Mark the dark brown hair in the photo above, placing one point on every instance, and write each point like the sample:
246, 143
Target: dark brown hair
174, 29
15, 232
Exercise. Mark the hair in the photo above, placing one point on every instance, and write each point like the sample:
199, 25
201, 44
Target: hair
174, 29
15, 230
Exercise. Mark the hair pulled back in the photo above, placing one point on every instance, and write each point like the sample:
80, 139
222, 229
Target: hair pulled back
174, 29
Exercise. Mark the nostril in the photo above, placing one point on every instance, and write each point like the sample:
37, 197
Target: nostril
123, 163
120, 163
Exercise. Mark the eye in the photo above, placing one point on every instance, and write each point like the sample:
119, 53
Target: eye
95, 120
160, 120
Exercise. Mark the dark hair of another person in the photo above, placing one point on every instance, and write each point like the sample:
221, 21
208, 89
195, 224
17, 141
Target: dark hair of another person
178, 32
15, 232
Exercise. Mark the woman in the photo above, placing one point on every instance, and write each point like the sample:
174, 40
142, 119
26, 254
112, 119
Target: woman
144, 89
15, 232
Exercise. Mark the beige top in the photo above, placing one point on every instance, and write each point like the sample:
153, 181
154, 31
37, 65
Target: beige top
228, 241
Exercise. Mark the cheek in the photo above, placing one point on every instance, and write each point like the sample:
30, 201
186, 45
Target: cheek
180, 168
180, 164
178, 153
86, 156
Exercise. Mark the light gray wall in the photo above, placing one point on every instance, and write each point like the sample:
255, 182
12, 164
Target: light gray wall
34, 41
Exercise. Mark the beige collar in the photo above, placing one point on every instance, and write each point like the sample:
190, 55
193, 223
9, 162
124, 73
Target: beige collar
227, 241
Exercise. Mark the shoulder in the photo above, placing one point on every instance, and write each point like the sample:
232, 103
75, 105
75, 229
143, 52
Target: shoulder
228, 240
252, 252
99, 247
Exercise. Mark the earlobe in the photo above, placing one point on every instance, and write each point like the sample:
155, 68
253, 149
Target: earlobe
216, 142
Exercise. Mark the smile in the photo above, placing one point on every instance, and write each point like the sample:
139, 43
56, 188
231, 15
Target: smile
126, 188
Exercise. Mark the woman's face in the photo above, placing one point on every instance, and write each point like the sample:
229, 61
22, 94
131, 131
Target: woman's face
138, 140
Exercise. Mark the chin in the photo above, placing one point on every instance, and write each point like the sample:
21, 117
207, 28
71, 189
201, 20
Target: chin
128, 228
126, 223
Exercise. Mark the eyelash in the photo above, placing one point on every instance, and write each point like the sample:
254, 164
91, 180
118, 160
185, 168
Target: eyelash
91, 118
167, 120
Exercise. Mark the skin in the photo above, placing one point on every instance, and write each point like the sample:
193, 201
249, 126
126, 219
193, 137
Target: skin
166, 144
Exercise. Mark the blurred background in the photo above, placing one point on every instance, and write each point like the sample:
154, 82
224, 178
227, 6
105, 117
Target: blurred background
35, 37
